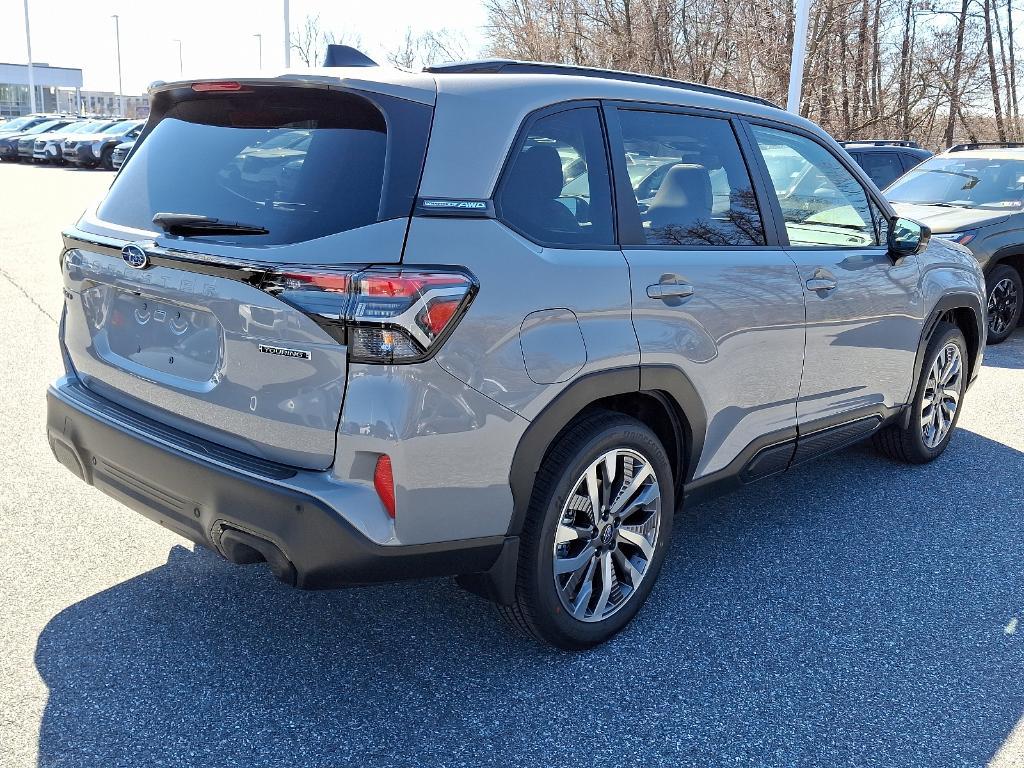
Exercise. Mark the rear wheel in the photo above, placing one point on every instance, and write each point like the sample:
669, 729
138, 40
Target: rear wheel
596, 533
1005, 294
107, 159
936, 407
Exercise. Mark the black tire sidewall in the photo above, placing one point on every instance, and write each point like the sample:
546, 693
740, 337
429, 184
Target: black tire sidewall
1002, 272
943, 335
562, 629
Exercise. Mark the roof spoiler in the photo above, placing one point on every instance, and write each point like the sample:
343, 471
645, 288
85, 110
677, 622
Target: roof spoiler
347, 56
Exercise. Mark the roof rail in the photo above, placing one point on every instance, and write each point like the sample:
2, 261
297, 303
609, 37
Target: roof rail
881, 143
513, 66
988, 144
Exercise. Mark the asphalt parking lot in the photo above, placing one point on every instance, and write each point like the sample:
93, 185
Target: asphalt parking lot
853, 612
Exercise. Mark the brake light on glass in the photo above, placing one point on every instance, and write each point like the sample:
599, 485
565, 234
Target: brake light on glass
385, 315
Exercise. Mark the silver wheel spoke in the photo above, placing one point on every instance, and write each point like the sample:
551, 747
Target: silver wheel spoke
638, 540
607, 580
628, 569
594, 492
582, 602
570, 564
566, 533
634, 485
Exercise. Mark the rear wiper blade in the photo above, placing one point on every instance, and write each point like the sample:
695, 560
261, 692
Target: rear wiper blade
197, 224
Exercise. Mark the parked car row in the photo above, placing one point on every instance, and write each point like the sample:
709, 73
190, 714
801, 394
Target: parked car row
68, 140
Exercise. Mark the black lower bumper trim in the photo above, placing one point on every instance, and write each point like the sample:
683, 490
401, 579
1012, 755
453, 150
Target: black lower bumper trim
202, 501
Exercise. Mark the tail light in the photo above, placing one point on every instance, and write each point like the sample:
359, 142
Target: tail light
384, 315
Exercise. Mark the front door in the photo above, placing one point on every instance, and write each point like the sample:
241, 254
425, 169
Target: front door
712, 296
863, 310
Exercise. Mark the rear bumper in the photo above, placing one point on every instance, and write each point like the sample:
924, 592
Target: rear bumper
246, 514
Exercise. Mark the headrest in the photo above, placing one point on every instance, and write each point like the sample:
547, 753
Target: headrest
538, 173
686, 185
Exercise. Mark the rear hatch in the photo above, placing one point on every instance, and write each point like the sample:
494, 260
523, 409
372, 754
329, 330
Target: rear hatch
190, 322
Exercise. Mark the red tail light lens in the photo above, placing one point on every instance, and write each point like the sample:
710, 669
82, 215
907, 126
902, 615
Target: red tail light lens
384, 483
385, 315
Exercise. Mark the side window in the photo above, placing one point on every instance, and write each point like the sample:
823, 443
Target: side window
557, 189
689, 180
822, 203
883, 168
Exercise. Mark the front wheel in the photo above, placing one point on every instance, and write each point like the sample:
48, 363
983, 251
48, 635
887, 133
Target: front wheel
596, 532
1004, 289
937, 401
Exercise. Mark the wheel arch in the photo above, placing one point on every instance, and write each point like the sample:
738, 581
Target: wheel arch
966, 312
660, 396
1013, 255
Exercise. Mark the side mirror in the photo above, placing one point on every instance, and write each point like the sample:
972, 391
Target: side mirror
907, 237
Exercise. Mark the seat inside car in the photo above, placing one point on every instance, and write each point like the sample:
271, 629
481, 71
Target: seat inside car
533, 191
684, 197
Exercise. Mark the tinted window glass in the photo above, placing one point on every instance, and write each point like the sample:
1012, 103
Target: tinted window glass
301, 163
557, 189
883, 168
822, 202
689, 180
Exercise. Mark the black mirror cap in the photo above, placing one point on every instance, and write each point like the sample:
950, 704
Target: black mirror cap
907, 237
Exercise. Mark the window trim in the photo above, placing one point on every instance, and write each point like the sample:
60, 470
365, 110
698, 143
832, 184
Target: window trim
513, 152
858, 173
631, 236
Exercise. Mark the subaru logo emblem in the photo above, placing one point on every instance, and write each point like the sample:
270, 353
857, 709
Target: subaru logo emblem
135, 257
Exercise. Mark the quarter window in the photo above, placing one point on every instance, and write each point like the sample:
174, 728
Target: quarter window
690, 184
557, 191
822, 203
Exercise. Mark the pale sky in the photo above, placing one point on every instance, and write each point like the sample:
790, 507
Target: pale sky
216, 35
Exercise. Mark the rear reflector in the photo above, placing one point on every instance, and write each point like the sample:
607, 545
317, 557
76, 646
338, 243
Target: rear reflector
384, 483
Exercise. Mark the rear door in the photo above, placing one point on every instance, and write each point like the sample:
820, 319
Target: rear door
201, 330
863, 311
714, 295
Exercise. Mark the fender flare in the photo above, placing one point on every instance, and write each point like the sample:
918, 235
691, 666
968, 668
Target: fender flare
582, 392
942, 306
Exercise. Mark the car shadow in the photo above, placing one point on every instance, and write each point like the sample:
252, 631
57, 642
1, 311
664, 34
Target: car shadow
1009, 354
851, 612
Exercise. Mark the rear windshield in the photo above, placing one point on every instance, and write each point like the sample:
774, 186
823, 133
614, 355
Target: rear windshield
302, 163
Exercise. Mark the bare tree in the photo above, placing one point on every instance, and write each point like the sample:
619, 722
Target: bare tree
311, 40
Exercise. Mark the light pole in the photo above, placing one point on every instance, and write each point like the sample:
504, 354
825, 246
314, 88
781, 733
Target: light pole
287, 38
796, 65
259, 39
181, 67
120, 87
31, 74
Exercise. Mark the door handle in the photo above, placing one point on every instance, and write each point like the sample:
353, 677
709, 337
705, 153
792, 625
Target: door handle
821, 284
670, 291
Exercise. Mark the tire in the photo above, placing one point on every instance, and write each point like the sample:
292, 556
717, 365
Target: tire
1005, 298
107, 159
920, 441
560, 503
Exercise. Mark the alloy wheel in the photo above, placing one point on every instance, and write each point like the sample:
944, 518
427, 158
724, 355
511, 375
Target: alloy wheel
941, 395
607, 534
1002, 306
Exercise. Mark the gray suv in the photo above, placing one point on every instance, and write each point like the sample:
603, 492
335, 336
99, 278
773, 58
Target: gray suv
367, 325
973, 194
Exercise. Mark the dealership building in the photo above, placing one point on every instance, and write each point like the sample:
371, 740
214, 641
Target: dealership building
59, 89
14, 94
